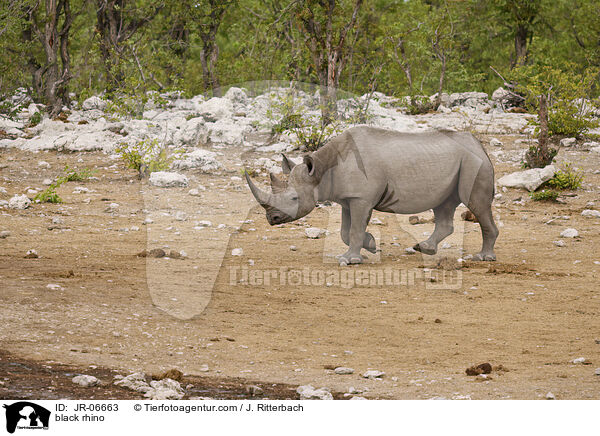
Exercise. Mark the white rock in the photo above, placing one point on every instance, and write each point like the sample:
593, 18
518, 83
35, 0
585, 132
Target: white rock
495, 142
93, 102
135, 382
194, 192
43, 164
54, 287
237, 252
19, 202
3, 190
597, 372
47, 182
591, 213
579, 360
165, 389
569, 233
559, 243
529, 179
236, 95
550, 396
342, 370
568, 142
308, 392
180, 215
203, 160
165, 179
215, 109
4, 234
204, 223
85, 380
373, 374
314, 232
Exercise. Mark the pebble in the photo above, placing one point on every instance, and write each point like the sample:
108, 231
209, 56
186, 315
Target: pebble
308, 392
550, 396
237, 252
410, 250
293, 248
495, 142
373, 374
314, 232
194, 192
342, 370
31, 254
4, 234
19, 202
559, 243
54, 287
591, 213
597, 372
86, 380
47, 182
569, 233
204, 223
579, 360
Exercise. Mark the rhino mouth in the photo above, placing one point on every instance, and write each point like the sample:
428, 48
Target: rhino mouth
277, 217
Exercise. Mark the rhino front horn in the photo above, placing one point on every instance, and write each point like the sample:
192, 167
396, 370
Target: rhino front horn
261, 196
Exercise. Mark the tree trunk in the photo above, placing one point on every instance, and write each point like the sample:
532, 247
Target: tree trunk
521, 37
52, 78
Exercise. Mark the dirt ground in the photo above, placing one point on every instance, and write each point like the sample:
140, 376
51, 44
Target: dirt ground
213, 316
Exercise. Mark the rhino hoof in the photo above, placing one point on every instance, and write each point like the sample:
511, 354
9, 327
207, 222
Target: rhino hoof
345, 260
480, 257
424, 248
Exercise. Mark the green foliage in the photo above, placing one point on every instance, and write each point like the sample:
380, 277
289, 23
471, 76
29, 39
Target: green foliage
49, 195
544, 195
567, 178
35, 119
569, 114
147, 156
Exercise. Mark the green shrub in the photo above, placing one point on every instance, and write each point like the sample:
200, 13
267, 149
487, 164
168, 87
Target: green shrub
35, 119
147, 156
534, 158
544, 195
569, 178
567, 91
49, 195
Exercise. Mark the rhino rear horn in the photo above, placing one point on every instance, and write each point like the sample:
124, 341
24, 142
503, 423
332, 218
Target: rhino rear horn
286, 164
277, 185
261, 196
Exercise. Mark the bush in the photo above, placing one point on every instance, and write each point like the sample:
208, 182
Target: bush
544, 195
569, 111
49, 195
568, 178
147, 156
535, 158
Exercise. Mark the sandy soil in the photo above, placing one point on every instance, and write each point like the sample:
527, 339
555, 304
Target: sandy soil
532, 312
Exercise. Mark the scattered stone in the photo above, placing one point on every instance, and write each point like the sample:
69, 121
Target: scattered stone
254, 391
342, 370
597, 372
204, 223
43, 164
155, 252
93, 102
47, 182
495, 142
373, 374
165, 179
559, 243
165, 389
568, 142
173, 254
550, 396
579, 360
314, 232
86, 381
377, 222
173, 374
569, 233
482, 368
31, 254
136, 382
591, 213
237, 252
4, 234
467, 215
529, 179
308, 392
204, 160
194, 192
293, 248
19, 202
54, 287
410, 250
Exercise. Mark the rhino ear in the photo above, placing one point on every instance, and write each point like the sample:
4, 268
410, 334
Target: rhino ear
277, 185
286, 164
313, 166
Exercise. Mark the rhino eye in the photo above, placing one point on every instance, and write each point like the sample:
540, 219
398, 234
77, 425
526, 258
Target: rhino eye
294, 198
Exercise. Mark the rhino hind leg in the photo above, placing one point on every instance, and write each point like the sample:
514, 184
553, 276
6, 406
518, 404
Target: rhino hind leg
480, 203
444, 215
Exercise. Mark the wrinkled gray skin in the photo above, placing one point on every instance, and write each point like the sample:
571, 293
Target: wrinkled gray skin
367, 168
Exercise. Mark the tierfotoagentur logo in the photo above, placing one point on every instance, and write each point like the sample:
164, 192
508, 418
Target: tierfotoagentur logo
24, 415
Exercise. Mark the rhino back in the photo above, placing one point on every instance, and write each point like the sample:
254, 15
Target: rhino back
398, 172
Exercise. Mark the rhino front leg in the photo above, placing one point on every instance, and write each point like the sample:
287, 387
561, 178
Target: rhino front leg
369, 241
444, 226
357, 236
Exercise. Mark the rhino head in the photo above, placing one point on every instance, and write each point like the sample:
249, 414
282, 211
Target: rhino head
291, 200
